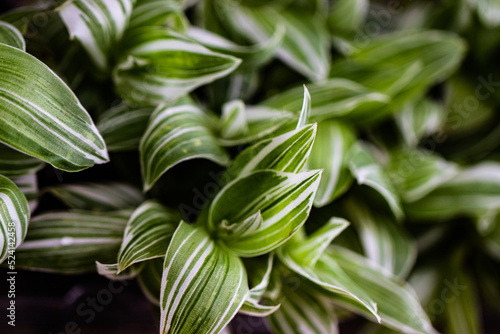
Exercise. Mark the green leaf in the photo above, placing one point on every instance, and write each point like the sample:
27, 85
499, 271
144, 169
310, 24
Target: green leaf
104, 196
161, 66
14, 163
110, 271
383, 241
28, 185
305, 46
233, 122
177, 133
71, 242
475, 190
285, 153
148, 231
122, 127
397, 304
488, 12
11, 36
305, 112
330, 153
152, 13
97, 25
14, 216
150, 280
368, 172
332, 98
51, 125
346, 16
256, 213
419, 120
203, 286
415, 173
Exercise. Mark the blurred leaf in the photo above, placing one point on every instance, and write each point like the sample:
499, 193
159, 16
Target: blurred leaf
150, 280
11, 36
14, 163
28, 184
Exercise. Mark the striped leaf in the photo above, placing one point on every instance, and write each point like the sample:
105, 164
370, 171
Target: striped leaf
98, 25
368, 172
286, 153
28, 184
203, 286
419, 120
252, 57
262, 122
332, 98
233, 122
160, 66
472, 192
11, 36
150, 280
122, 127
397, 303
71, 242
415, 173
14, 163
106, 196
14, 216
152, 12
305, 46
177, 133
256, 213
384, 242
303, 311
51, 125
110, 271
333, 141
148, 231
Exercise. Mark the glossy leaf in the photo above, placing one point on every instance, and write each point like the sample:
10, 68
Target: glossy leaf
11, 36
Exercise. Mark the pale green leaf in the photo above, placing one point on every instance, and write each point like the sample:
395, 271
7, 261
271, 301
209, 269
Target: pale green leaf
177, 133
14, 216
71, 242
161, 66
14, 163
104, 196
153, 12
148, 231
150, 280
110, 271
98, 25
346, 16
11, 36
203, 286
306, 109
367, 171
42, 117
122, 127
28, 184
285, 153
256, 213
233, 122
489, 12
333, 141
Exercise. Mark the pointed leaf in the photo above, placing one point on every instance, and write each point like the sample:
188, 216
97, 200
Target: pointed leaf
306, 109
148, 230
105, 196
233, 120
11, 36
110, 271
98, 25
257, 213
160, 66
330, 153
203, 286
14, 216
174, 134
53, 127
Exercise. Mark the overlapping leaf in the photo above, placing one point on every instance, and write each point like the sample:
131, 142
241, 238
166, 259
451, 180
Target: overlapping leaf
28, 184
256, 213
71, 242
11, 36
98, 25
150, 280
14, 216
42, 117
14, 163
174, 134
203, 286
160, 66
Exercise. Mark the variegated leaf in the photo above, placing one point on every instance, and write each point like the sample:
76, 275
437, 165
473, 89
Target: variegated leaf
153, 12
150, 280
233, 122
105, 196
177, 133
14, 216
148, 231
160, 66
28, 184
367, 171
51, 125
122, 127
14, 163
110, 271
203, 286
333, 141
11, 36
71, 242
256, 213
98, 25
